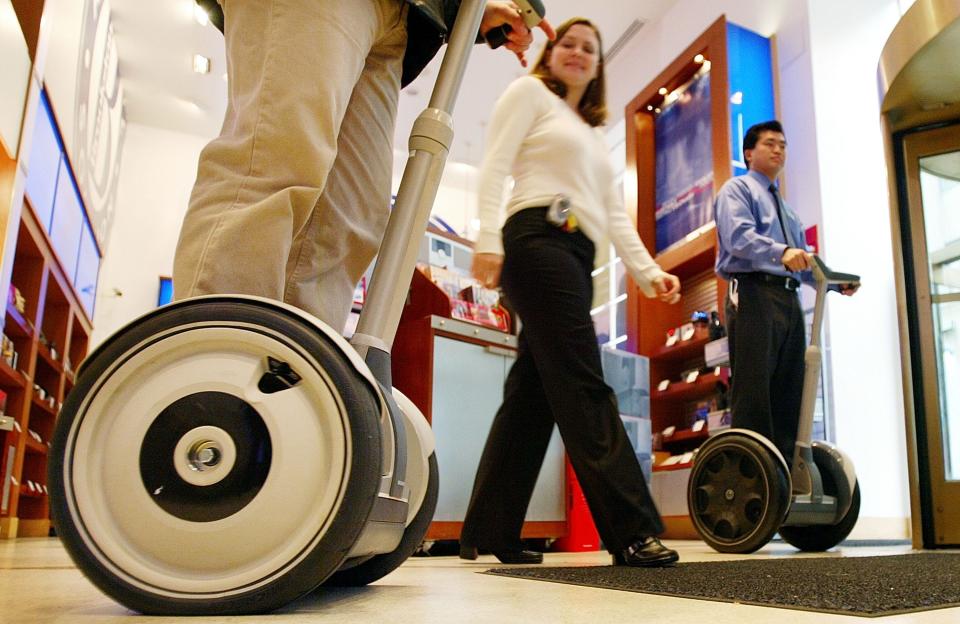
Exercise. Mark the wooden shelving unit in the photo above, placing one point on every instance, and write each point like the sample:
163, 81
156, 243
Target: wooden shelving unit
692, 260
50, 336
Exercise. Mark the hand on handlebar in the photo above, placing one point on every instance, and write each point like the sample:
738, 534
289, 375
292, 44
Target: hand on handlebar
519, 37
796, 260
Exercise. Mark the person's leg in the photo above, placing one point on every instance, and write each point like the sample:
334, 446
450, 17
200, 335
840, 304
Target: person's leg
330, 254
292, 67
753, 357
511, 460
787, 378
551, 290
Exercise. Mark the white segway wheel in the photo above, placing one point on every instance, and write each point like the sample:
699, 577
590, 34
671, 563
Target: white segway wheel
379, 566
821, 537
738, 494
219, 456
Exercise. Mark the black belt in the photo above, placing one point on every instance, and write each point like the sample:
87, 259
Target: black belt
783, 281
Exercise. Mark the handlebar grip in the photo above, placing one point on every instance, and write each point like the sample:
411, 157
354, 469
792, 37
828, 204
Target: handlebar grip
532, 12
496, 37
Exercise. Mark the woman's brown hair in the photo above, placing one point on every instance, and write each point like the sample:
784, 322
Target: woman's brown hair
593, 104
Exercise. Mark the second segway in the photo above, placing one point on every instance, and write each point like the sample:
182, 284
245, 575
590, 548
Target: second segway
742, 491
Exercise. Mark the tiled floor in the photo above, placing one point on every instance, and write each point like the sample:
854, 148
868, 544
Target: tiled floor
38, 583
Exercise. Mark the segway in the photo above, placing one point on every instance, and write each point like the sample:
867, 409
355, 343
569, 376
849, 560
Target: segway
228, 454
741, 491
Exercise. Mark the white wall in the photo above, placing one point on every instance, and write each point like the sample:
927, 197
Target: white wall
158, 171
847, 39
835, 176
456, 201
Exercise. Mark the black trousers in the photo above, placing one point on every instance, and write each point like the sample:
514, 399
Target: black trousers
557, 378
767, 342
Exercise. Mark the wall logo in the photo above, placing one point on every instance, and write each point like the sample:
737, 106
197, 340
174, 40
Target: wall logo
100, 119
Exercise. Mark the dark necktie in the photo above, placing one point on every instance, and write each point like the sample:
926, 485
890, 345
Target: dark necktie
788, 239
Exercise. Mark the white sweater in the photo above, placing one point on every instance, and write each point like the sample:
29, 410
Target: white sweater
549, 150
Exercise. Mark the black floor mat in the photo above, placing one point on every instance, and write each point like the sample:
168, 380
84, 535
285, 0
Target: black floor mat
865, 586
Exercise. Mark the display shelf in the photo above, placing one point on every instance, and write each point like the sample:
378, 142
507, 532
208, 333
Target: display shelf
686, 436
16, 325
683, 391
26, 492
43, 406
32, 446
44, 356
682, 351
9, 377
53, 317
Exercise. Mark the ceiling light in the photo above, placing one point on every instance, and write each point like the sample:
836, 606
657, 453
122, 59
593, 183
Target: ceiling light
201, 64
200, 14
698, 58
663, 91
649, 107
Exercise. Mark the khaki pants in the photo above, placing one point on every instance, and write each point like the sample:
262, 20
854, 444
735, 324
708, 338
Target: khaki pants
291, 200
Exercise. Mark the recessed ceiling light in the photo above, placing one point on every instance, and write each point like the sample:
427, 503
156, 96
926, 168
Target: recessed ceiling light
663, 91
200, 14
698, 58
201, 64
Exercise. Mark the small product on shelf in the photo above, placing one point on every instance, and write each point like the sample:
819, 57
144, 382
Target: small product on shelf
9, 352
469, 301
17, 299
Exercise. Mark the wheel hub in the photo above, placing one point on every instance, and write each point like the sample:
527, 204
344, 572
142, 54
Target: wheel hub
205, 456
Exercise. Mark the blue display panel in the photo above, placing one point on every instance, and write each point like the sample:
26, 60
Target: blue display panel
44, 164
751, 87
67, 223
88, 269
684, 152
166, 291
683, 135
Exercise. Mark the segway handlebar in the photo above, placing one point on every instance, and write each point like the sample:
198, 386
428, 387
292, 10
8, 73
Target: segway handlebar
823, 273
532, 12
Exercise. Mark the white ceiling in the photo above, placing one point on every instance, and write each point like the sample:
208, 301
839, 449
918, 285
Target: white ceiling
156, 42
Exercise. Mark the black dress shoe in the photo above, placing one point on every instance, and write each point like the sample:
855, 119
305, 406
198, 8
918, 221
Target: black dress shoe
468, 552
646, 553
518, 556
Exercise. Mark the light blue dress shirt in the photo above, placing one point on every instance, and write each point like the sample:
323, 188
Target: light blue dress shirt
749, 229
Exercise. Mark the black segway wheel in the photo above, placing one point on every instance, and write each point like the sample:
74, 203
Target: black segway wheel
379, 566
219, 456
738, 494
821, 537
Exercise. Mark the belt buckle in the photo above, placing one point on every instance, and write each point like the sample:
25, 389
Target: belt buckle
788, 284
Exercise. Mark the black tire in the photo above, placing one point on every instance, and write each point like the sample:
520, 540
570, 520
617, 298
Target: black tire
821, 537
738, 494
280, 575
379, 566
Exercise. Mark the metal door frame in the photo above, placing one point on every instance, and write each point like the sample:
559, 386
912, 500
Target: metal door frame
939, 499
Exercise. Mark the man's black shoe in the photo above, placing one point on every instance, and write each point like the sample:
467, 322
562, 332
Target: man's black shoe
646, 553
518, 556
505, 556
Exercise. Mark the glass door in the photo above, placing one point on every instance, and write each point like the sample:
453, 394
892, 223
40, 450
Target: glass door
932, 164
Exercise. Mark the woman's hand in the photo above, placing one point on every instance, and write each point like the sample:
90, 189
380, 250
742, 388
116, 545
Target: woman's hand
486, 269
667, 287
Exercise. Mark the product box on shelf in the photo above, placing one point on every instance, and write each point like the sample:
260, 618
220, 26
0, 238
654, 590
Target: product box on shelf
628, 374
717, 352
469, 301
